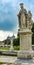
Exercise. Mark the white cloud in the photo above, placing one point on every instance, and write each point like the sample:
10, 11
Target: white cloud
4, 34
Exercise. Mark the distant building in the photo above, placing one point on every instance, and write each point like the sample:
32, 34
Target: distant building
7, 42
1, 43
10, 38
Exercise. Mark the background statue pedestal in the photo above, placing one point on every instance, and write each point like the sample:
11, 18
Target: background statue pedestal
11, 48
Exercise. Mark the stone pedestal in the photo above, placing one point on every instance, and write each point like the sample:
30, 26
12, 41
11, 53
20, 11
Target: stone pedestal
25, 44
25, 55
25, 39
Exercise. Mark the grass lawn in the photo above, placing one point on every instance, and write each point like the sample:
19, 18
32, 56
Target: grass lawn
16, 47
8, 48
5, 48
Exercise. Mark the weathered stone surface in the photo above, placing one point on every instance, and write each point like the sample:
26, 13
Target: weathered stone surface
24, 18
25, 44
25, 54
25, 39
25, 33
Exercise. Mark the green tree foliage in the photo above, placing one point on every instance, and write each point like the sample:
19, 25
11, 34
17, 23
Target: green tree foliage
32, 38
33, 28
33, 34
16, 42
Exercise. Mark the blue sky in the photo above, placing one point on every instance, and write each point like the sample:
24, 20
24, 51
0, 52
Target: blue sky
9, 10
8, 13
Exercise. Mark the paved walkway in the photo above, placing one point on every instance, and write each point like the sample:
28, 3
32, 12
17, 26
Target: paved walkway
8, 59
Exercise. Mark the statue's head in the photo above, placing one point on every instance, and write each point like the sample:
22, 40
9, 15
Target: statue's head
21, 5
30, 14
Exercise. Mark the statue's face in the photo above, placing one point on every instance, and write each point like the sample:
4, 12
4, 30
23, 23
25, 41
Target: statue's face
21, 6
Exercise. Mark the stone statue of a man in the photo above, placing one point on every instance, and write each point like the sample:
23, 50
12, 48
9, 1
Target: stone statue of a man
22, 17
25, 18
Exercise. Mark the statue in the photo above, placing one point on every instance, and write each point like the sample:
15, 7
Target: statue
25, 18
29, 20
22, 17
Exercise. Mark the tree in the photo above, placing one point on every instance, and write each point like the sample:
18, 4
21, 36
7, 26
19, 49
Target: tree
33, 28
16, 42
33, 34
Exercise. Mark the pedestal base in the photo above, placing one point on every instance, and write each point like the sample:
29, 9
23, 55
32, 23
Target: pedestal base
25, 54
24, 62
